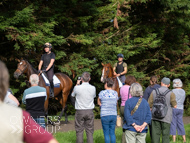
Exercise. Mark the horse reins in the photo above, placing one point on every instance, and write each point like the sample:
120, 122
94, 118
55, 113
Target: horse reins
107, 71
22, 70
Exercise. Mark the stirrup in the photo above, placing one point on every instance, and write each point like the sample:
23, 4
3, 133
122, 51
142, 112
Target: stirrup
51, 95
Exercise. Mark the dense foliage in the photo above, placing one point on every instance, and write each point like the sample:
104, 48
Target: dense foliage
153, 35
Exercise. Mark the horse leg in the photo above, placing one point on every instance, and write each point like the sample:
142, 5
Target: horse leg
63, 101
118, 111
46, 112
66, 117
118, 92
64, 110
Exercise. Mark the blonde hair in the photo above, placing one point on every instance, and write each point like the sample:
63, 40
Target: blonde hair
4, 80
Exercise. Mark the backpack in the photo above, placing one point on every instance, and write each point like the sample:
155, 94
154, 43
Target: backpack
159, 109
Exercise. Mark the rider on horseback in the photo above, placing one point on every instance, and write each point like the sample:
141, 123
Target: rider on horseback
120, 68
47, 65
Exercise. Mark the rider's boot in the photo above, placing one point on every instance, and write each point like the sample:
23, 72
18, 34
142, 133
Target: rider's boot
51, 95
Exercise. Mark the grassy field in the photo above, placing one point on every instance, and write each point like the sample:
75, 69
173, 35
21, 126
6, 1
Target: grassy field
70, 137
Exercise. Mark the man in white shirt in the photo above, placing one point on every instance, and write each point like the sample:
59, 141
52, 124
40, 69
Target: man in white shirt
84, 105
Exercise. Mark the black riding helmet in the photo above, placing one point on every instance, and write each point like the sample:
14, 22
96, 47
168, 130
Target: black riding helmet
120, 55
49, 45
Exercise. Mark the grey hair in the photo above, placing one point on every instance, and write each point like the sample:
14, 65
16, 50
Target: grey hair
177, 83
136, 89
86, 76
34, 79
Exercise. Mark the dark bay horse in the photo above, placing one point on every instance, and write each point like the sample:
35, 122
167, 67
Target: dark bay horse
107, 72
61, 94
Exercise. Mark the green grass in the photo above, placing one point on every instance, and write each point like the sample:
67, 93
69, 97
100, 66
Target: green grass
70, 137
55, 117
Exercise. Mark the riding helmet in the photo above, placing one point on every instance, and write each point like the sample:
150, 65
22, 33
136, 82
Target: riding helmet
120, 55
48, 45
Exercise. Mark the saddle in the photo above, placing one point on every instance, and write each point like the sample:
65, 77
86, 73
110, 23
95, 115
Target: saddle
119, 82
56, 81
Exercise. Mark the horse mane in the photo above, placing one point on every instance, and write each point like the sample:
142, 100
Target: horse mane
35, 71
110, 66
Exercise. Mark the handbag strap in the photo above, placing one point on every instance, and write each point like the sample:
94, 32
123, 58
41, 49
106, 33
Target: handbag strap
137, 106
128, 92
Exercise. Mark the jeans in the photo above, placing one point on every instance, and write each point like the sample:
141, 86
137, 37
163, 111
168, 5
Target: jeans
177, 122
41, 122
108, 125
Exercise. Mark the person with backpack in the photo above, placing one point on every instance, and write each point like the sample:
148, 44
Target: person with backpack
177, 120
120, 68
161, 102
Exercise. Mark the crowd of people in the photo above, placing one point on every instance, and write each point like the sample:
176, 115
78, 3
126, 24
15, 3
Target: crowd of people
17, 126
157, 109
139, 110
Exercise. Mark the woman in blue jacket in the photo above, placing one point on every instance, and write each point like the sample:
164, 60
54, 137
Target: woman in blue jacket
136, 121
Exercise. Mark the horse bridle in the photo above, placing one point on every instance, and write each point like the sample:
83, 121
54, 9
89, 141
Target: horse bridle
107, 72
22, 70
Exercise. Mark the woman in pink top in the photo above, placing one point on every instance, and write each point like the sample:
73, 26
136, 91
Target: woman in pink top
125, 95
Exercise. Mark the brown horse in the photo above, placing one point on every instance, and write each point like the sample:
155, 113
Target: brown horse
107, 72
24, 67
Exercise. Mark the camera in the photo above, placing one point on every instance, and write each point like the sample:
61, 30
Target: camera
79, 78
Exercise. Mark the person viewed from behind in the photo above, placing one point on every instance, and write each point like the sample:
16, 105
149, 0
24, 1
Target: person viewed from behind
16, 124
11, 99
177, 120
153, 85
120, 68
47, 64
137, 116
34, 98
161, 102
107, 100
84, 117
125, 95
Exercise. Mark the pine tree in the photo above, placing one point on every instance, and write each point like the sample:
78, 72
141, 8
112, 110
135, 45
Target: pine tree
153, 35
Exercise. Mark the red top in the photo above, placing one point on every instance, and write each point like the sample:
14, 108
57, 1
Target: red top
34, 133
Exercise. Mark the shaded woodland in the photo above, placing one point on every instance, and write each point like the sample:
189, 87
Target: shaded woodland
153, 35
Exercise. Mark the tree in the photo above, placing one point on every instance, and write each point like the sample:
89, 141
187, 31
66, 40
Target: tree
152, 34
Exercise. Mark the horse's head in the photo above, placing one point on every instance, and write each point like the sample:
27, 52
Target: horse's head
21, 68
107, 71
